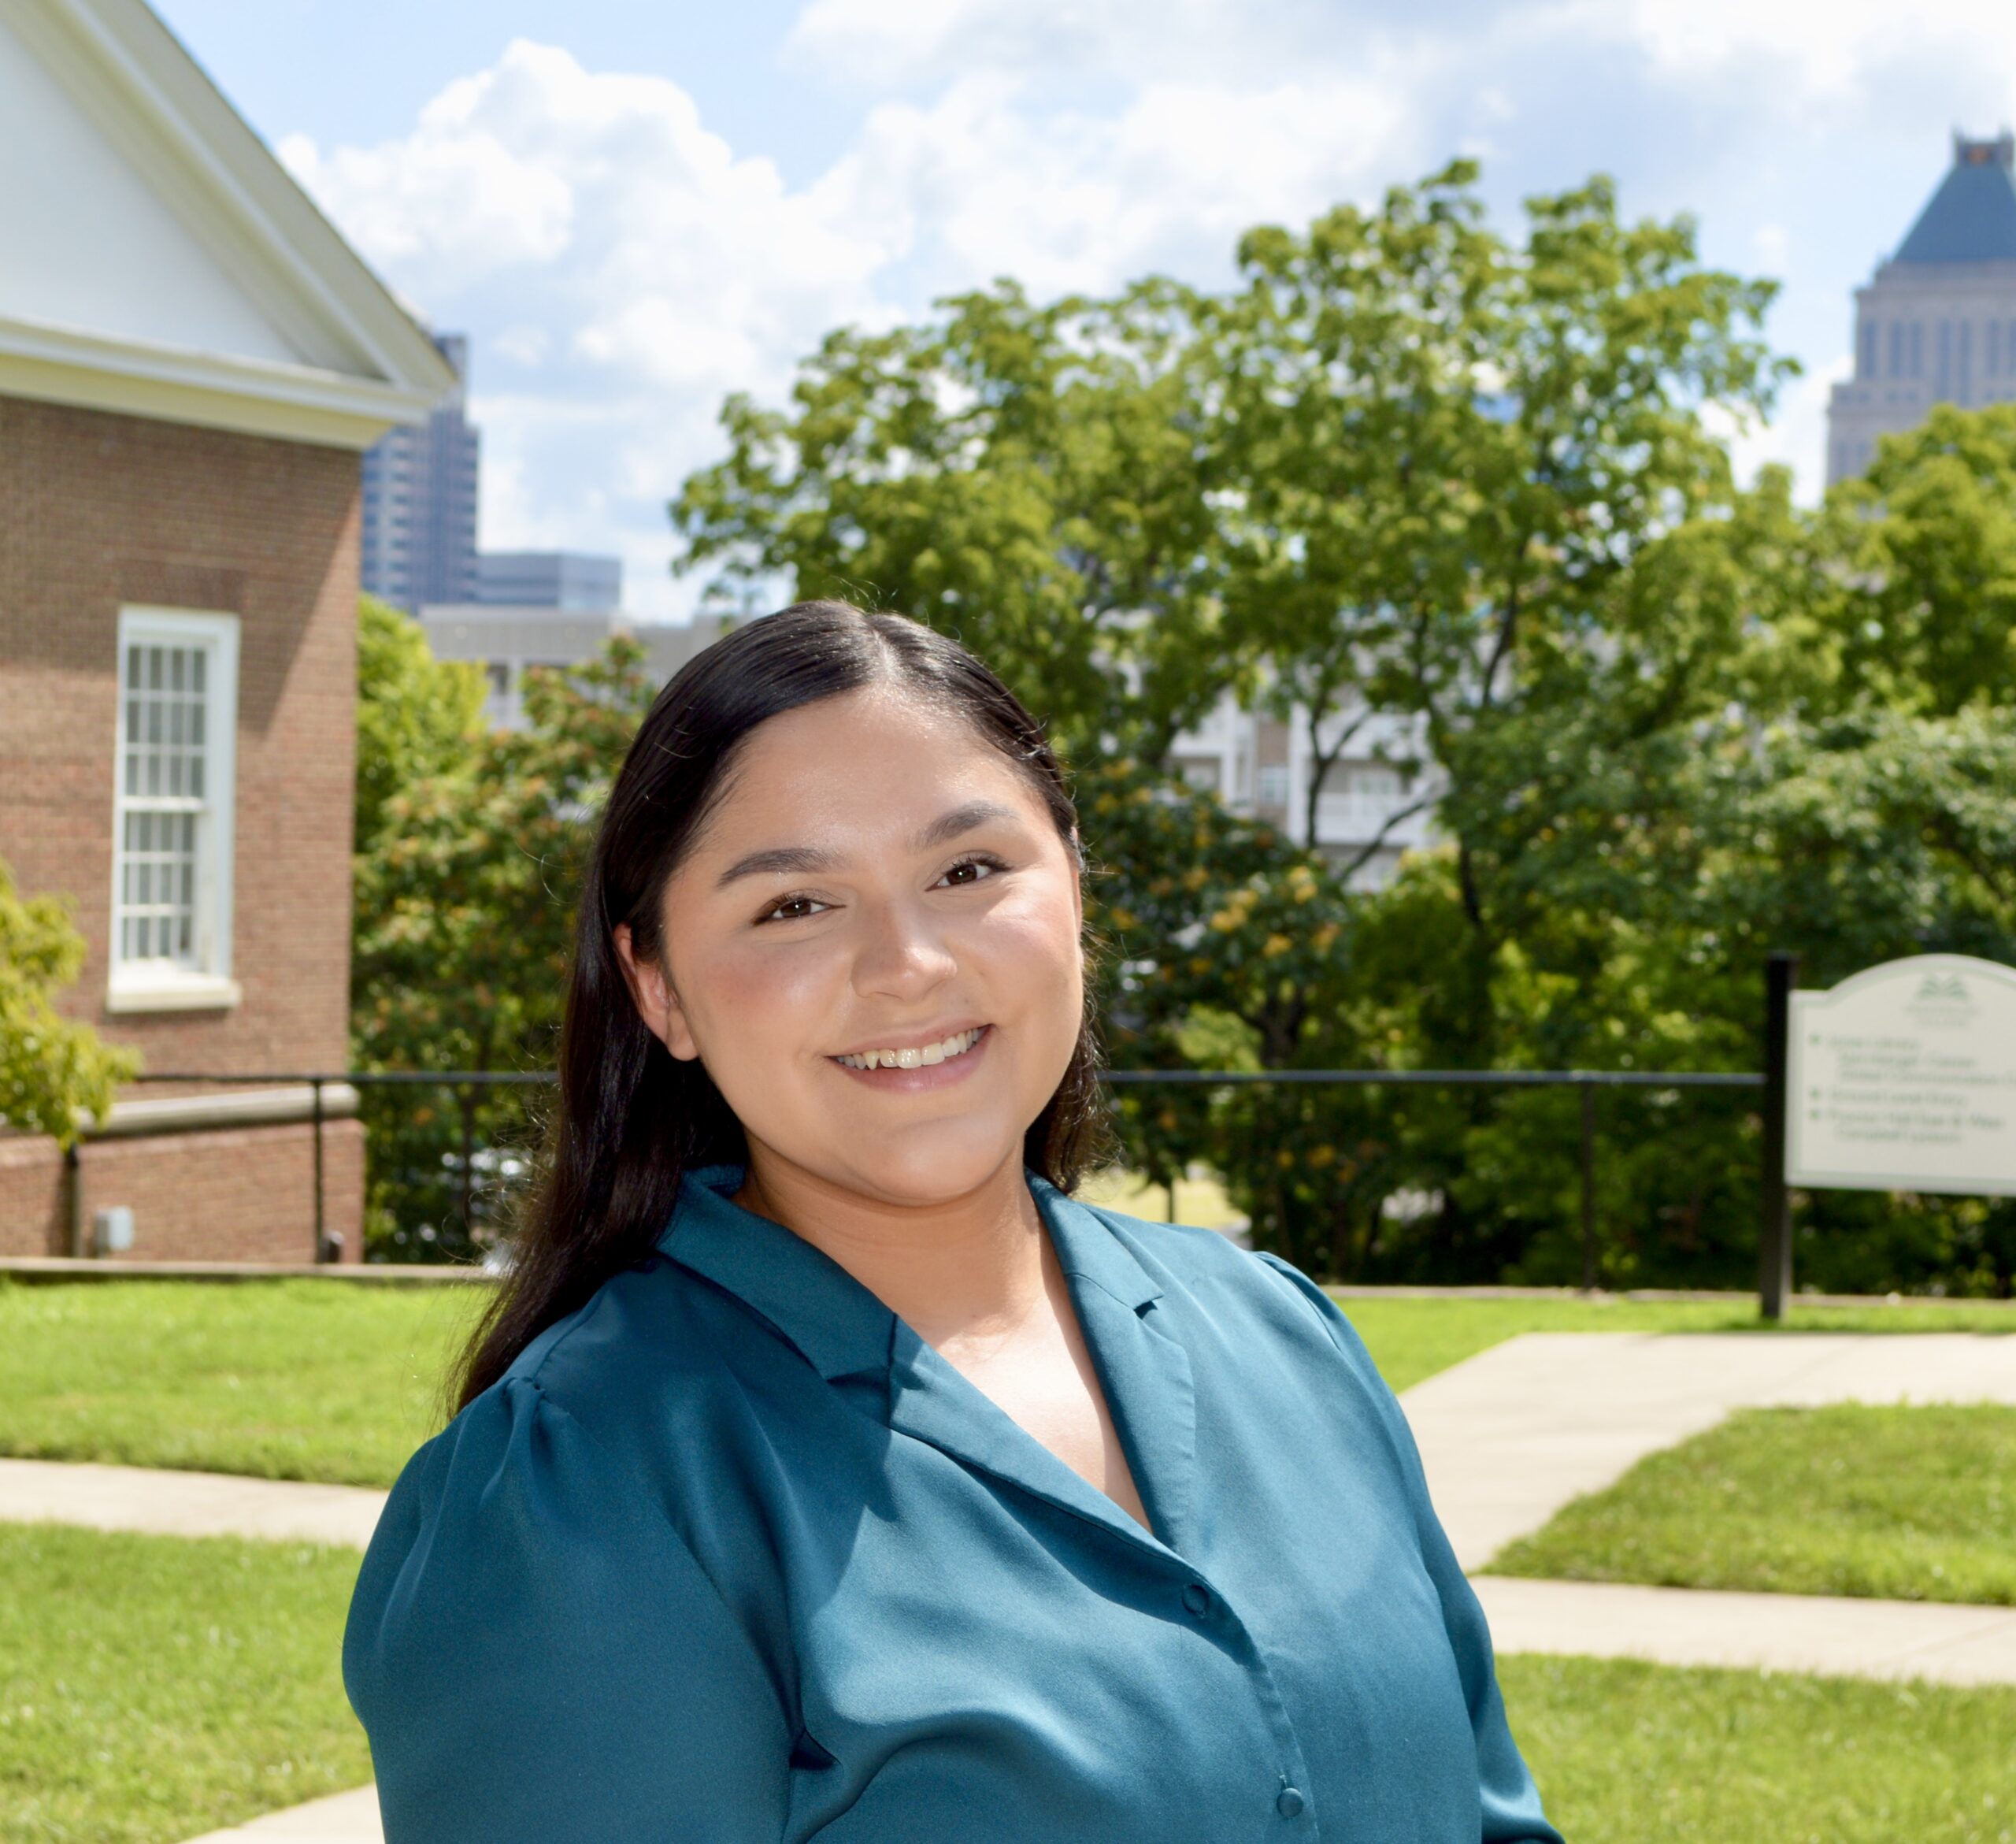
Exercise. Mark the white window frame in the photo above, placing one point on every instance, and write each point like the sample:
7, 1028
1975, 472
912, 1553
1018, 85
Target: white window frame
162, 985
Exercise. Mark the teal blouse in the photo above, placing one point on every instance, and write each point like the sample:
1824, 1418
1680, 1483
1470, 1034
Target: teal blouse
731, 1557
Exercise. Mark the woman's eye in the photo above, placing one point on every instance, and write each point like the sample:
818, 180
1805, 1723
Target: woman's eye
971, 870
792, 909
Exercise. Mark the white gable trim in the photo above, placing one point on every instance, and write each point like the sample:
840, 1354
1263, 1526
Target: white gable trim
297, 403
367, 364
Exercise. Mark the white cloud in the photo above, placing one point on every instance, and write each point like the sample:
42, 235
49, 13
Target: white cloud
1830, 45
621, 270
897, 44
983, 182
526, 346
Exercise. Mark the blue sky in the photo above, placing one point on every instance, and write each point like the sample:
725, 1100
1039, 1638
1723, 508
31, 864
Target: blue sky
634, 210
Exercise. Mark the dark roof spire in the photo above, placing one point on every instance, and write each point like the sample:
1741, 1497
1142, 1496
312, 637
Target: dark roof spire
1972, 218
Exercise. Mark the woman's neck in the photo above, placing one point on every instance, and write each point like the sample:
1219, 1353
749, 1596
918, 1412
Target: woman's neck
968, 1265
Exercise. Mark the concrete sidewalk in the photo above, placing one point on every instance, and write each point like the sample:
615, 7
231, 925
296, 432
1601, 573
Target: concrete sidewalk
1814, 1633
349, 1818
1510, 1436
185, 1504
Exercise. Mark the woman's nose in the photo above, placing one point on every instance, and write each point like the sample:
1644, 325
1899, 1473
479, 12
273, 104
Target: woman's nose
902, 953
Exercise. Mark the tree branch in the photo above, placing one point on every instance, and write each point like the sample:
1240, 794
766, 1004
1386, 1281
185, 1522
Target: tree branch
1323, 764
1391, 820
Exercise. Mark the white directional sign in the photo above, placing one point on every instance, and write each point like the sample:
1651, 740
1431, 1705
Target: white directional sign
1903, 1079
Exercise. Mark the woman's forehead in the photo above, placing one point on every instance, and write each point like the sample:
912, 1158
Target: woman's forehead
871, 762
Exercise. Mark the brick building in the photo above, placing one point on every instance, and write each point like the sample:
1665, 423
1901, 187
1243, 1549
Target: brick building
191, 363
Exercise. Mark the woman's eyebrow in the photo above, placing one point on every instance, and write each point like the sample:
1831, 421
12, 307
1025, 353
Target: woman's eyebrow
780, 860
798, 860
961, 819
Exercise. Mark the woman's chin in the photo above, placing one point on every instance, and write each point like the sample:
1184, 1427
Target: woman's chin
931, 1167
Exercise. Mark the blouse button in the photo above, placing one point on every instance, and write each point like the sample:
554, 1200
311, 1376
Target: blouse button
1288, 1802
1197, 1598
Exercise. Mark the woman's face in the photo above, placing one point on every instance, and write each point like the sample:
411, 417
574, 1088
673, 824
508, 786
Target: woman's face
877, 885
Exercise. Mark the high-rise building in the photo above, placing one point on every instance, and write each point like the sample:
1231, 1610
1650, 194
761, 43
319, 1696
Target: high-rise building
1937, 322
572, 580
420, 496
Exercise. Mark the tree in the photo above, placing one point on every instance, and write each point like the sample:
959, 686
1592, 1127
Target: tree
1923, 554
464, 903
1445, 454
1355, 446
1025, 478
52, 1070
416, 716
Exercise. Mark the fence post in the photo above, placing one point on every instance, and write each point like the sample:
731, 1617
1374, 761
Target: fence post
1774, 1242
1588, 1186
73, 1201
465, 1095
321, 1245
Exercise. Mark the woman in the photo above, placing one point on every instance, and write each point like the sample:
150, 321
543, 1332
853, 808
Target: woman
824, 1470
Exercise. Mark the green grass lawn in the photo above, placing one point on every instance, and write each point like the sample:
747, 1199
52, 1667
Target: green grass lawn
155, 1688
327, 1380
1916, 1504
283, 1379
1631, 1754
1411, 1339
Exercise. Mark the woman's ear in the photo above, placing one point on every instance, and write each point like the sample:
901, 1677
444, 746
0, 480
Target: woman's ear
656, 1003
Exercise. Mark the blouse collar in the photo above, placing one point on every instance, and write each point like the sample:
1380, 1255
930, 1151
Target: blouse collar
844, 1331
839, 1325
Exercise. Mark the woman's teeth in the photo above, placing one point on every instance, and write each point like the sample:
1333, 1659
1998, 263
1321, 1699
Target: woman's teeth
957, 1045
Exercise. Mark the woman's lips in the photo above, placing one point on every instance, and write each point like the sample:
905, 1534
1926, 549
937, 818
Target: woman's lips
925, 1075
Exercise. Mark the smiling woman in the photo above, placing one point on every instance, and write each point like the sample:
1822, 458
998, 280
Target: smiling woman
824, 1470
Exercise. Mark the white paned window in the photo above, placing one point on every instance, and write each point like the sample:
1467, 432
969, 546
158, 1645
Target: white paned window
172, 811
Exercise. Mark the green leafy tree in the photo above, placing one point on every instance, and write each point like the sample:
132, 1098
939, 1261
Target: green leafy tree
1923, 555
1357, 442
465, 919
1027, 477
1209, 929
1859, 839
1473, 486
52, 1070
1447, 455
416, 716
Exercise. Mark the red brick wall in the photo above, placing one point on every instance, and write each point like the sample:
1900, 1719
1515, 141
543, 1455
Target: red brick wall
32, 1200
98, 510
240, 1194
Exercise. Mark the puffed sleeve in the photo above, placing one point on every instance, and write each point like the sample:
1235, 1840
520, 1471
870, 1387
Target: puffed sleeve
1510, 1801
538, 1658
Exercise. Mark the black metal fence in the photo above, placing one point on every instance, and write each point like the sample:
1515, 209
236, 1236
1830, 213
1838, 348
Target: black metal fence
477, 1175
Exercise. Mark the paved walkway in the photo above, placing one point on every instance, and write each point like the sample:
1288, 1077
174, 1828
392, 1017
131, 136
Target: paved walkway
166, 1504
1896, 1639
349, 1818
1508, 1437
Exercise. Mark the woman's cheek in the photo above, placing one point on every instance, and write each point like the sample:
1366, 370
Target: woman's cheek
1035, 932
762, 999
1029, 969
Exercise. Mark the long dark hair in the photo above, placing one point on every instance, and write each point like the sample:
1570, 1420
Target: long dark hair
628, 1119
